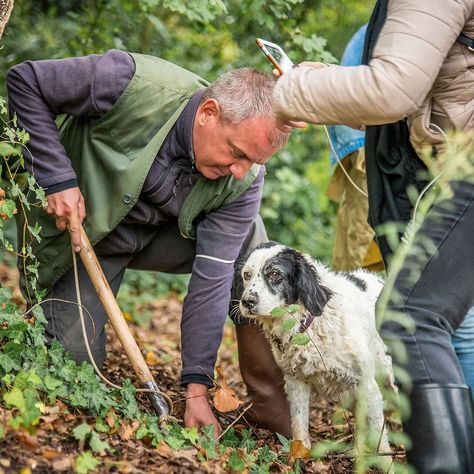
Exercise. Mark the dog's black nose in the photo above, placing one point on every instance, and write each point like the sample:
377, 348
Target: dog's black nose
249, 301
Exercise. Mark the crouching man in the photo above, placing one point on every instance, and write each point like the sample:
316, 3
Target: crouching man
165, 172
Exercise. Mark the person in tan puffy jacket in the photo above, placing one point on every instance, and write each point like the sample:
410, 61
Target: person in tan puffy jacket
416, 84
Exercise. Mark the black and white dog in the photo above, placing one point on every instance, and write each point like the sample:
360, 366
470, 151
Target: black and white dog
337, 311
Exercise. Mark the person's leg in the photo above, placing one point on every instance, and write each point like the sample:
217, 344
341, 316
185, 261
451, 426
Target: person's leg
463, 342
260, 373
433, 290
63, 316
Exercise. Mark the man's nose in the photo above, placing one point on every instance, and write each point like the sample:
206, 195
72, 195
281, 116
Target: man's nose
249, 301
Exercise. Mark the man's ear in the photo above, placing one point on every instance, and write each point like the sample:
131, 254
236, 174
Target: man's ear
209, 109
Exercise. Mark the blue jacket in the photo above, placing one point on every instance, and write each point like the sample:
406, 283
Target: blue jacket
346, 140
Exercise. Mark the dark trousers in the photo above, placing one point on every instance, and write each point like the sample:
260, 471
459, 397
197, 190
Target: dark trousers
167, 251
435, 288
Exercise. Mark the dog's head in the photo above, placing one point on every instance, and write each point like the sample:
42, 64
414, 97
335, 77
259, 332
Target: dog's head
277, 276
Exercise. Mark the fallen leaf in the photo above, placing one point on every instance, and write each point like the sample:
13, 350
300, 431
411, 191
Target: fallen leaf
110, 418
63, 464
298, 450
48, 453
126, 431
225, 399
27, 439
164, 450
152, 359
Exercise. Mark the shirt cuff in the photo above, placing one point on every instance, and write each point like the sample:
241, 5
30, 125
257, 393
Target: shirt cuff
56, 188
196, 378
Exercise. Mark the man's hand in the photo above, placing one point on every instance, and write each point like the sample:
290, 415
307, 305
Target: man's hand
198, 412
68, 207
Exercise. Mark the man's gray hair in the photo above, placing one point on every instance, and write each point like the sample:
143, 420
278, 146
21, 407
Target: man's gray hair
244, 94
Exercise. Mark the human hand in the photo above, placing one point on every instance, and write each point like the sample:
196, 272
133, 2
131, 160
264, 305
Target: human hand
69, 209
198, 412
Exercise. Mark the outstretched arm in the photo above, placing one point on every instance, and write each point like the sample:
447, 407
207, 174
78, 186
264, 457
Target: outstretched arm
39, 92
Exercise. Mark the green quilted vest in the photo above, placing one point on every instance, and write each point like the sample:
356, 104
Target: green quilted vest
112, 155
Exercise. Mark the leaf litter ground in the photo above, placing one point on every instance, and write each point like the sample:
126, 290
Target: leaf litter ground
52, 448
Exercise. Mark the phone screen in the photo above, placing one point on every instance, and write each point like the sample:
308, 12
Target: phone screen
276, 55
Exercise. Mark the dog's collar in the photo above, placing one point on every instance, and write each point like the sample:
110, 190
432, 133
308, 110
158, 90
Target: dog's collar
306, 323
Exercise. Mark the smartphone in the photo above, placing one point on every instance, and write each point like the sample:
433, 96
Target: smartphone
276, 55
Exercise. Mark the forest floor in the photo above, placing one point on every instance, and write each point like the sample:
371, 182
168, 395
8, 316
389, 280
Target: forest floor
51, 448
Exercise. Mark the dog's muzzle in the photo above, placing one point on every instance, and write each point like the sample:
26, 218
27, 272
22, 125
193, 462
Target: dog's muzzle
249, 302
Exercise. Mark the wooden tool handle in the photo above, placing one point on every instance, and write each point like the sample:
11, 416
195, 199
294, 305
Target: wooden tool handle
112, 309
120, 326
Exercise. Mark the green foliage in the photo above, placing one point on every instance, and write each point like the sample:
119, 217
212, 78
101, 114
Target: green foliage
86, 462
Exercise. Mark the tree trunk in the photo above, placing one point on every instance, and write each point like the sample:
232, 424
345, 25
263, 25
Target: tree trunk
6, 7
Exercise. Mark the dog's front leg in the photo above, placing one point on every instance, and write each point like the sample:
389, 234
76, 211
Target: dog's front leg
298, 393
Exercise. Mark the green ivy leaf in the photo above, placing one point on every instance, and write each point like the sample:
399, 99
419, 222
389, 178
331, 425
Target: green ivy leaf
247, 441
278, 312
235, 462
80, 432
32, 413
15, 398
51, 383
288, 324
265, 455
96, 444
86, 462
191, 434
300, 339
293, 308
174, 442
6, 149
101, 426
56, 353
10, 358
141, 432
7, 208
286, 443
68, 371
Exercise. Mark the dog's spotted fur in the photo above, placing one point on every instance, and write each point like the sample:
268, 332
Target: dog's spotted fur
345, 351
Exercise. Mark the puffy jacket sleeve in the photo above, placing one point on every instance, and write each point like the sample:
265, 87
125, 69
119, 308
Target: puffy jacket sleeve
409, 53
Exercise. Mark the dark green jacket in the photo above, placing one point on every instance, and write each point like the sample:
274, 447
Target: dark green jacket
112, 155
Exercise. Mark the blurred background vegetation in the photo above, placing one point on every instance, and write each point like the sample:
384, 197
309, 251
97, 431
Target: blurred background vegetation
210, 37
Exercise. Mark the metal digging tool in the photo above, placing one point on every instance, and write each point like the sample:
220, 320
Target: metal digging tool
106, 296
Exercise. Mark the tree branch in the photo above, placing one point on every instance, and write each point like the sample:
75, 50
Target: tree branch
6, 7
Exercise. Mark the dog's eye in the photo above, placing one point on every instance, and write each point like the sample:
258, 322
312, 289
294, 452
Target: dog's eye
274, 275
247, 275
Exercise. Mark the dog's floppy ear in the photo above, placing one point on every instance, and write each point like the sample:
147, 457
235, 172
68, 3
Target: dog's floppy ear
237, 290
309, 290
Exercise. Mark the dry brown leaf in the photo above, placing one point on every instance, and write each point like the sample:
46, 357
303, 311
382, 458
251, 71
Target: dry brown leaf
126, 431
152, 359
110, 418
189, 454
49, 453
298, 450
225, 399
164, 450
64, 464
28, 440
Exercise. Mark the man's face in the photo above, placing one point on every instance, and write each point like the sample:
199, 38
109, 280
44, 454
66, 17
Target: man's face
223, 149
